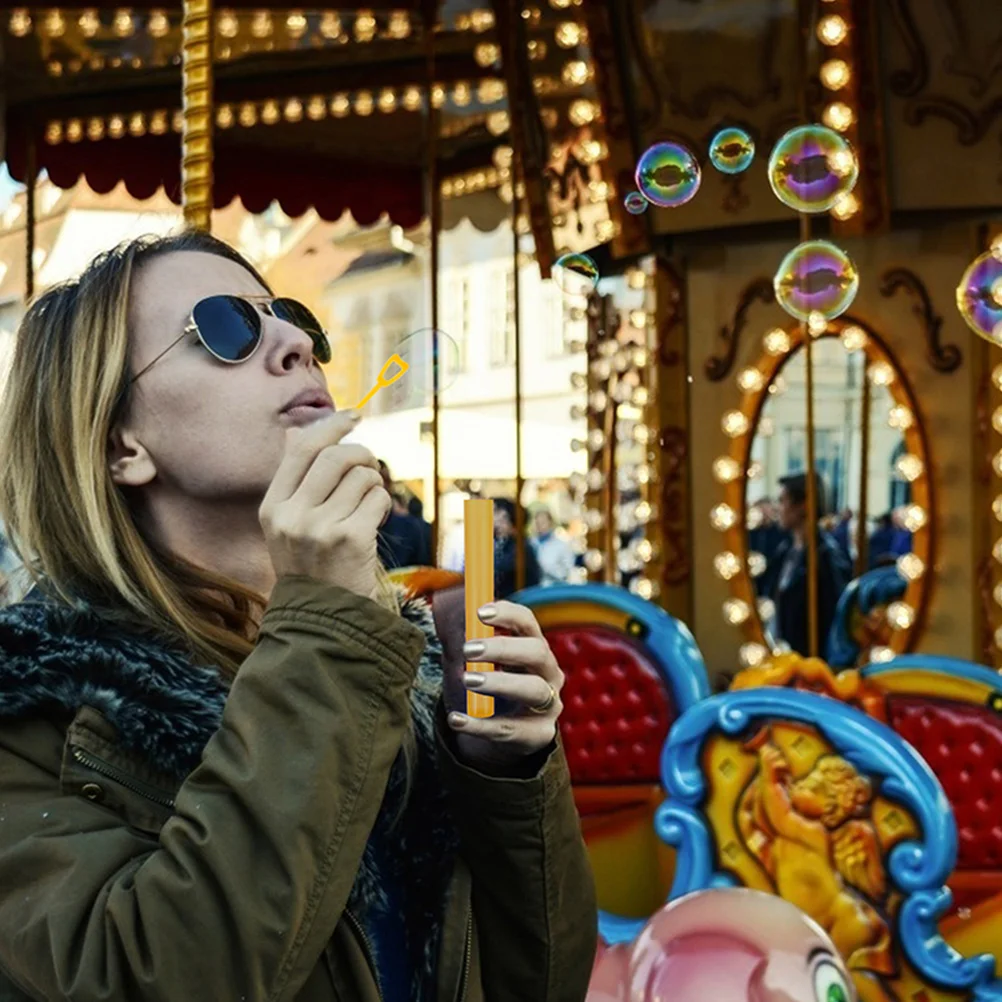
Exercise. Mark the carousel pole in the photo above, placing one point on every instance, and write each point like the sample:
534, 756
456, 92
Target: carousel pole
196, 137
31, 177
517, 323
434, 202
808, 338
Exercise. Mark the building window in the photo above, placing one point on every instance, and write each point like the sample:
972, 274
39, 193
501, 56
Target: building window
502, 317
456, 322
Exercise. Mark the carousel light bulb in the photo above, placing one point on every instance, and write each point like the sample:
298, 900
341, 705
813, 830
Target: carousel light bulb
755, 470
909, 467
601, 368
638, 319
330, 25
89, 23
486, 54
578, 445
914, 517
642, 434
901, 615
644, 512
757, 564
766, 427
295, 24
640, 358
227, 24
778, 386
736, 611
54, 25
123, 23
735, 424
751, 380
595, 480
832, 30
640, 396
399, 26
54, 133
490, 91
387, 100
594, 519
270, 113
316, 108
853, 338
997, 463
766, 609
997, 594
998, 638
777, 342
537, 49
621, 362
594, 560
116, 126
752, 655
817, 324
911, 566
846, 206
835, 74
726, 470
261, 24
365, 26
498, 122
19, 24
838, 116
576, 73
224, 116
596, 439
568, 34
723, 517
881, 374
754, 518
880, 655
582, 112
997, 551
598, 401
644, 588
293, 110
900, 418
645, 550
95, 126
644, 474
997, 507
247, 115
364, 103
481, 20
842, 163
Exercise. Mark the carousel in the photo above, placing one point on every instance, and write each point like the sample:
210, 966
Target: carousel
780, 222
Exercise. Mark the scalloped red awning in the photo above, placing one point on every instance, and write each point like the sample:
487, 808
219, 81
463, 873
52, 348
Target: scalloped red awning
298, 183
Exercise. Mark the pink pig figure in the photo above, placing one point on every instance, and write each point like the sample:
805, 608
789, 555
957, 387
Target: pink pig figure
727, 944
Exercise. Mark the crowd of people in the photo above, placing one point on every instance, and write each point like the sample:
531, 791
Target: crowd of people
780, 534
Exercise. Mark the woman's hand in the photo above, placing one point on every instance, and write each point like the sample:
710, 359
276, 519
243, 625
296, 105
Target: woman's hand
527, 677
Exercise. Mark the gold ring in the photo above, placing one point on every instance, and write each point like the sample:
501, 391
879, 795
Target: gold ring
550, 700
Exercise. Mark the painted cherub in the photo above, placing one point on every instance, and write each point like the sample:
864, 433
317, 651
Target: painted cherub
815, 839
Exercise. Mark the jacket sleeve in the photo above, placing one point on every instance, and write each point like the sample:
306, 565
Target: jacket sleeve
533, 889
241, 894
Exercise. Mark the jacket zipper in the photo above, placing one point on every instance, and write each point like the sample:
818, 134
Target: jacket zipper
467, 957
102, 768
366, 949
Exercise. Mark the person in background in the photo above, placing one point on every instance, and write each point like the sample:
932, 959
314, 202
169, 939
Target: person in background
842, 532
789, 588
766, 538
401, 539
553, 554
882, 542
415, 508
505, 582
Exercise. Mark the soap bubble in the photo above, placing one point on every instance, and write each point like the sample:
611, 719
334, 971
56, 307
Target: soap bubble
811, 168
979, 297
575, 275
732, 151
816, 277
406, 379
635, 203
668, 175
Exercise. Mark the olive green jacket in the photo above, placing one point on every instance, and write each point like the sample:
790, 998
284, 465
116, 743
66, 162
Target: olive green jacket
119, 881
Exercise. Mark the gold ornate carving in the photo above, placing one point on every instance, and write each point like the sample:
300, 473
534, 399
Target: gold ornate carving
942, 357
718, 367
196, 139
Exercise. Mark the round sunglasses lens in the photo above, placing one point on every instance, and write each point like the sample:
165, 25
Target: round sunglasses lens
230, 327
299, 316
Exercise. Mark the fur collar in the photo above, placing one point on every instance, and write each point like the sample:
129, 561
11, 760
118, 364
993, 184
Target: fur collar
56, 659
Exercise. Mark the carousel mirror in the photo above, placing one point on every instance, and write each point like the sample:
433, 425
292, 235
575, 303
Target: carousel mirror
871, 498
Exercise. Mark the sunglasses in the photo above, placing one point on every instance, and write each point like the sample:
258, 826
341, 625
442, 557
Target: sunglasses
230, 327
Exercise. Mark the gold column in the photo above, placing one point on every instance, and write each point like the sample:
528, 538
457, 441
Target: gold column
517, 334
196, 139
30, 179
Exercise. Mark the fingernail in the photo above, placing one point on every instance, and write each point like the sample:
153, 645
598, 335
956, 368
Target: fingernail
472, 679
354, 417
458, 719
474, 648
487, 611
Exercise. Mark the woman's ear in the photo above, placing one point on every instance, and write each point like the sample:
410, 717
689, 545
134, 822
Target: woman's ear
128, 461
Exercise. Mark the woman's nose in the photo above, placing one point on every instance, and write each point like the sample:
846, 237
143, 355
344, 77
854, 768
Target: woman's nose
291, 346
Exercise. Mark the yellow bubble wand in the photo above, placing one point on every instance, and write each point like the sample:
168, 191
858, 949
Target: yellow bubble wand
382, 380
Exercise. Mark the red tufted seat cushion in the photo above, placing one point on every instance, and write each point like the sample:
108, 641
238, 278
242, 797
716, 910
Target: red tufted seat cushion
617, 707
963, 746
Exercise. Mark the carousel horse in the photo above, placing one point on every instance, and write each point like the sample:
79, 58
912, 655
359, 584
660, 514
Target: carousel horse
860, 622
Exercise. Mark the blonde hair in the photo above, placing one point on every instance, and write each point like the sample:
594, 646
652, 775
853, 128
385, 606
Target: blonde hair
70, 524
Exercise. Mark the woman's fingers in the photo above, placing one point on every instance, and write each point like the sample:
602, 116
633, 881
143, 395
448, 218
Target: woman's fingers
528, 690
510, 616
531, 654
529, 733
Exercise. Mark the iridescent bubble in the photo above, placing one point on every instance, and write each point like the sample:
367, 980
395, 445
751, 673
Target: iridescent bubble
979, 297
575, 275
732, 151
418, 355
668, 175
635, 203
816, 277
811, 168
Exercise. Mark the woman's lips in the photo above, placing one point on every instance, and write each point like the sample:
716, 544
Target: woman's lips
306, 413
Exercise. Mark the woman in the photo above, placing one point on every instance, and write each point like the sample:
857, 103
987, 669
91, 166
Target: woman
219, 779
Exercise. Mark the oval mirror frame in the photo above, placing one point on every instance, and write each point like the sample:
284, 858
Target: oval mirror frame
730, 517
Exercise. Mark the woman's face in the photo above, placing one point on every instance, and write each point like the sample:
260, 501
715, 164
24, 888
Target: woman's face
205, 429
